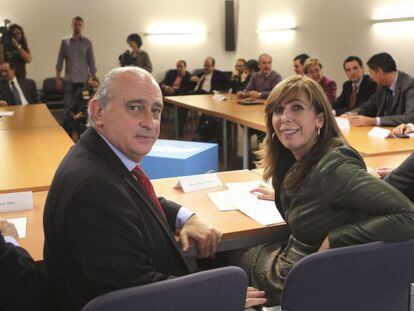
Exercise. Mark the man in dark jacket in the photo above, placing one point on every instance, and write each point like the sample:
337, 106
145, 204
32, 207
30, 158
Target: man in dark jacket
357, 90
22, 285
16, 91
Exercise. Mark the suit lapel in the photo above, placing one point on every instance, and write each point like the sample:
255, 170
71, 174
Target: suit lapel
397, 92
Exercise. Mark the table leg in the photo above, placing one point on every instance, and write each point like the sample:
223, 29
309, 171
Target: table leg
224, 144
245, 147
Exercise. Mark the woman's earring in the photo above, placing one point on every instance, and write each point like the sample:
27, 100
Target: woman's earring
319, 131
273, 136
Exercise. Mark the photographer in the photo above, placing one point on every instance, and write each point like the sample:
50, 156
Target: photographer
136, 57
14, 49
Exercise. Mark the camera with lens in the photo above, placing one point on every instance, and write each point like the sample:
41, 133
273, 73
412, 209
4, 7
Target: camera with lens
126, 59
4, 32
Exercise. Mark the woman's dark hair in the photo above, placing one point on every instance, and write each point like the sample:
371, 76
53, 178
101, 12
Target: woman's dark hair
253, 65
23, 42
136, 38
275, 158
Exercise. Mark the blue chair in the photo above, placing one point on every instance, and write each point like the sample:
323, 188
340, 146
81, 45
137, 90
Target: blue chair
222, 289
375, 276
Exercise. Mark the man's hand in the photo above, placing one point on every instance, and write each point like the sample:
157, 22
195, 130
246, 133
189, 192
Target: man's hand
254, 297
403, 129
241, 94
384, 171
168, 90
362, 121
325, 245
8, 229
207, 238
59, 84
3, 103
254, 94
194, 79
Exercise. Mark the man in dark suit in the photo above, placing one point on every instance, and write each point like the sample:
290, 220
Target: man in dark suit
105, 229
357, 90
393, 102
210, 79
177, 82
15, 91
401, 177
22, 285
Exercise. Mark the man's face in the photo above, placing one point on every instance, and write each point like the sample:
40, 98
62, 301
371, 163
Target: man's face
297, 67
265, 64
208, 66
7, 72
377, 76
77, 27
239, 67
181, 69
131, 120
354, 71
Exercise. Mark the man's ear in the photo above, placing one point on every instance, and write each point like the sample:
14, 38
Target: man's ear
96, 110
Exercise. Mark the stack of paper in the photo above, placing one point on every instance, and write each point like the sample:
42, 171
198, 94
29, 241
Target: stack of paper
238, 197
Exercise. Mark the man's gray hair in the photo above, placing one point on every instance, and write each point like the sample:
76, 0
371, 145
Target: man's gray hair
105, 93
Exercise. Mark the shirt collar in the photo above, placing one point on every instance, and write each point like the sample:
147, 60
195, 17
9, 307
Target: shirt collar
358, 82
394, 83
129, 164
14, 80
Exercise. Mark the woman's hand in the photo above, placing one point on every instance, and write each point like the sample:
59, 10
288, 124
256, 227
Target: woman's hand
254, 297
325, 245
264, 193
384, 171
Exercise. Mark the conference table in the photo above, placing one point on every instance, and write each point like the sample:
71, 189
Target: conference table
28, 116
32, 146
238, 230
253, 117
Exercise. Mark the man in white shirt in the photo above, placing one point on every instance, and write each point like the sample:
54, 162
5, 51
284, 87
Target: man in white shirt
16, 91
210, 79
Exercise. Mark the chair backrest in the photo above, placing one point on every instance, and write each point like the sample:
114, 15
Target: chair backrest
219, 289
51, 95
374, 276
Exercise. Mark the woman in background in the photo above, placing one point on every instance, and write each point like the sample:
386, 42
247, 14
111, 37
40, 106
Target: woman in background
15, 50
313, 69
136, 57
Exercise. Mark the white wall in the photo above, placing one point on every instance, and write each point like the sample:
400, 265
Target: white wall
328, 29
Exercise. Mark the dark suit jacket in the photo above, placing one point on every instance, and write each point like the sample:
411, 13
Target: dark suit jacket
28, 87
366, 89
402, 110
21, 285
186, 85
402, 177
102, 232
219, 81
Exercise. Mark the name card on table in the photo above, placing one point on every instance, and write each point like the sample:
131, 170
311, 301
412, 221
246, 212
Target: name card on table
16, 201
379, 132
198, 182
20, 224
6, 113
343, 123
219, 97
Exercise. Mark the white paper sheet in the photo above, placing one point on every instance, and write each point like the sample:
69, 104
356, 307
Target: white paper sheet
20, 224
6, 113
343, 123
379, 132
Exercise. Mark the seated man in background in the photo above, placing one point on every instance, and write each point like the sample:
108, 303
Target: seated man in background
262, 82
237, 77
357, 90
16, 91
210, 79
393, 101
298, 63
178, 82
401, 177
313, 69
22, 285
